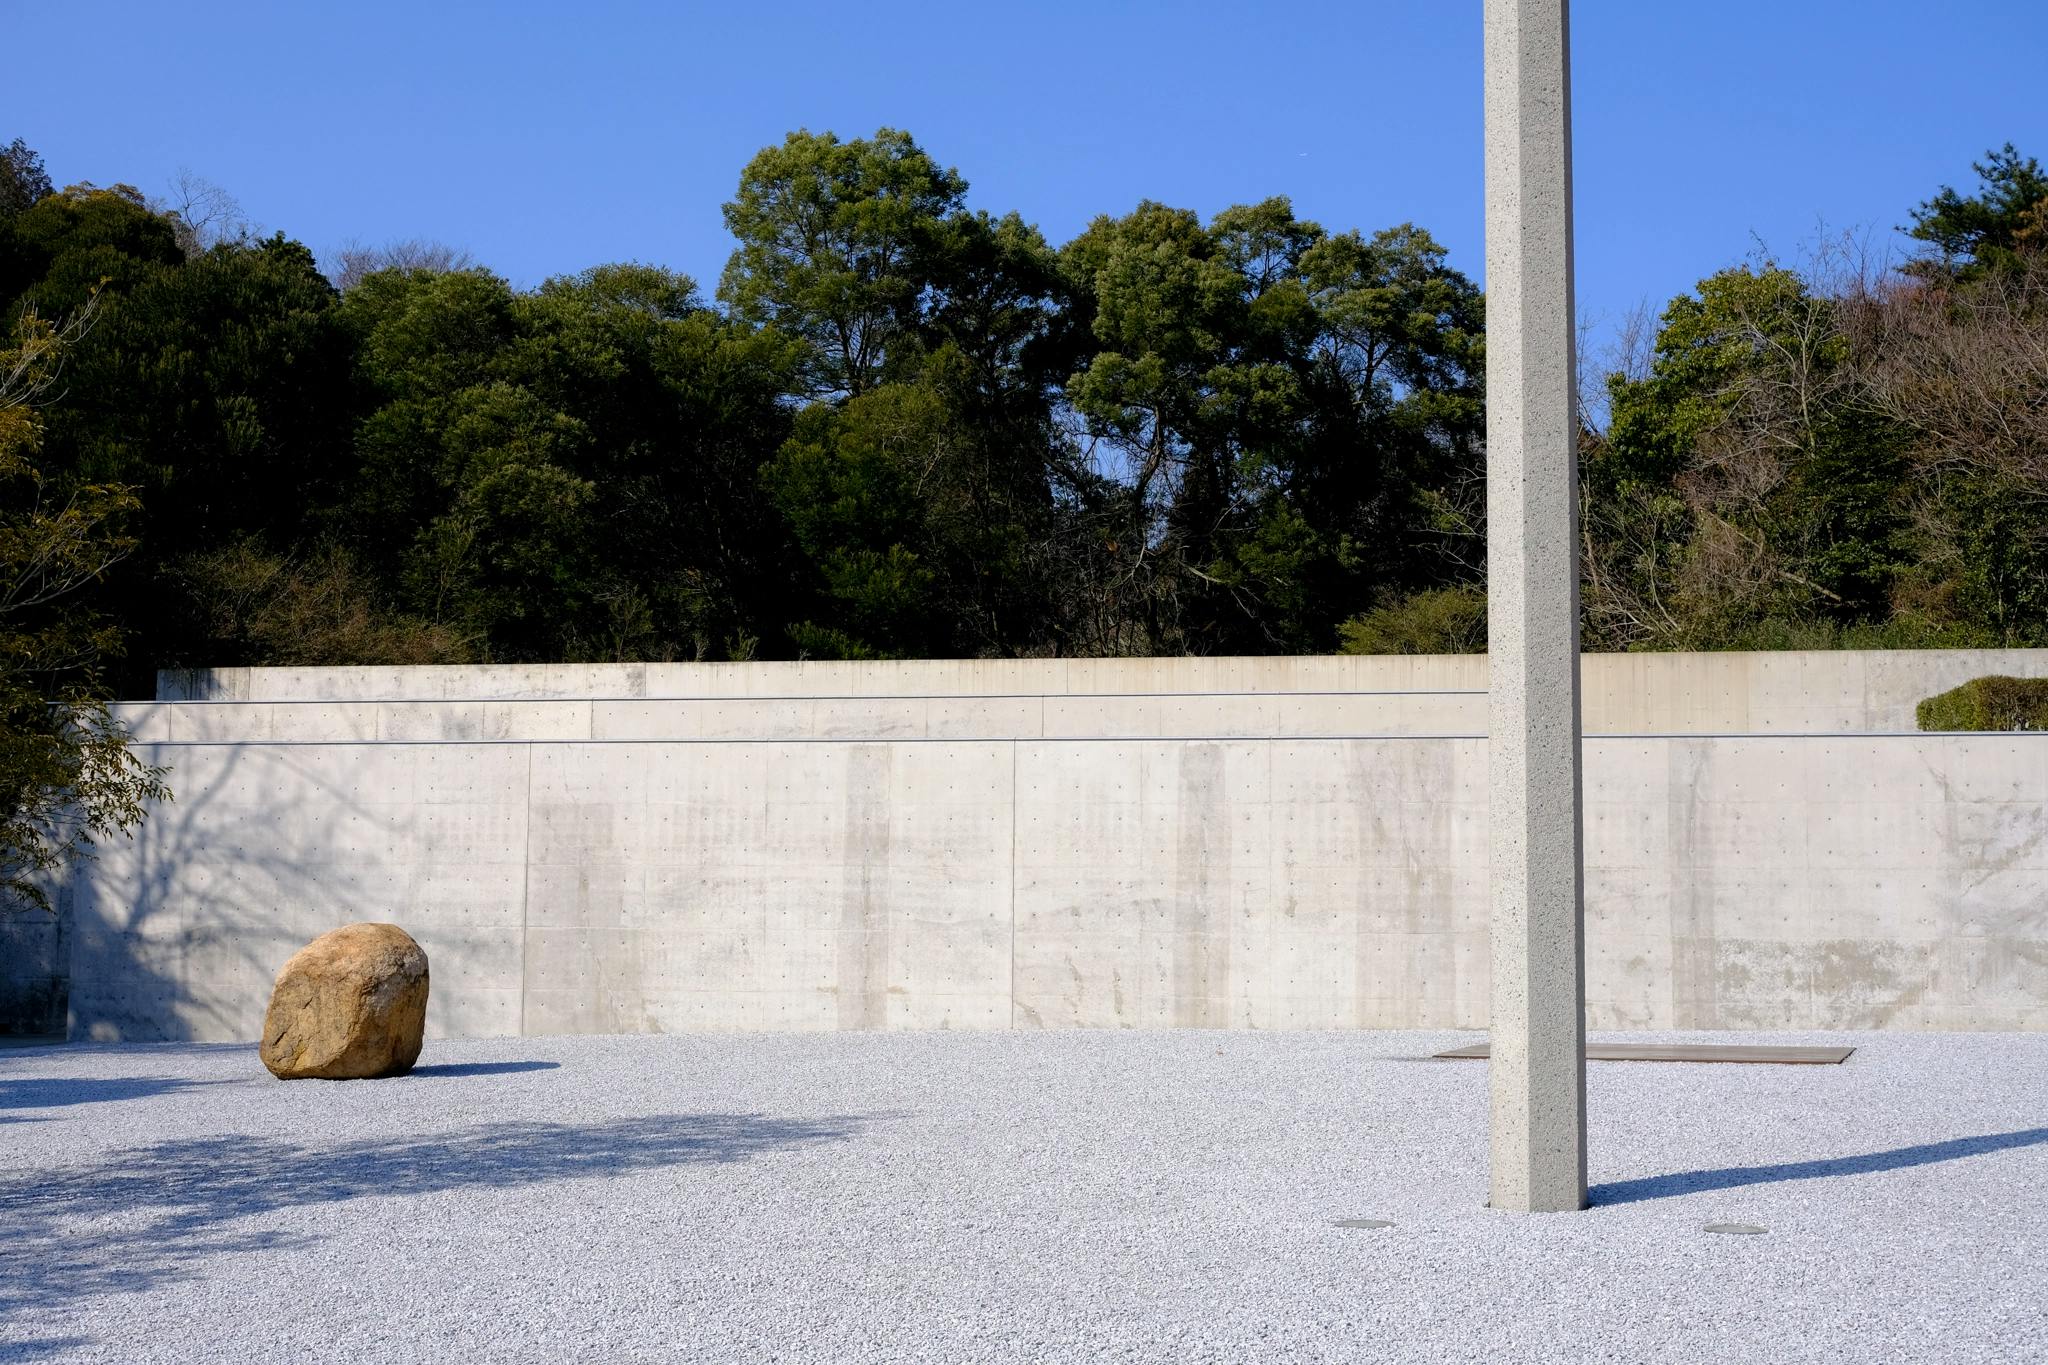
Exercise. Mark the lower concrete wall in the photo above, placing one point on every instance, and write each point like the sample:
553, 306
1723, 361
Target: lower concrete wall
1753, 882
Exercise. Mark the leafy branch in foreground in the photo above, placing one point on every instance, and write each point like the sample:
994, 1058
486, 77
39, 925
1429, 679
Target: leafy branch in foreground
67, 776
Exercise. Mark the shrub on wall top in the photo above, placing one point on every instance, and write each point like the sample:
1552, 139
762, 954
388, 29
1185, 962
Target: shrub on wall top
1988, 704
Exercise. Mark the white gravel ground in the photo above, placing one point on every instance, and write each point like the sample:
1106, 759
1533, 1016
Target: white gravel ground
1026, 1197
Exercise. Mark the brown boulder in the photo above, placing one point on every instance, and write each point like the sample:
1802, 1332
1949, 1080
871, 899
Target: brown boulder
352, 1003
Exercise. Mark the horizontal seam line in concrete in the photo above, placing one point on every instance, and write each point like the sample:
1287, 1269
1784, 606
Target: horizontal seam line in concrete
1762, 737
763, 739
798, 696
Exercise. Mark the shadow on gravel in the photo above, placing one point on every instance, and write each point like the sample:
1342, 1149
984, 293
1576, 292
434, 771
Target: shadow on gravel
480, 1068
1733, 1177
49, 1092
147, 1216
41, 1348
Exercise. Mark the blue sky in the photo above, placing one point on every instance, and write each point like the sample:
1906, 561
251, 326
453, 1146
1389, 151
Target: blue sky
547, 138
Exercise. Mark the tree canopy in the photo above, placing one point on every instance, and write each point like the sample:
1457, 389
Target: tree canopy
909, 425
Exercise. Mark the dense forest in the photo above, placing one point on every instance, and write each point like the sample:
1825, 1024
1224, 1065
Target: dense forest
904, 427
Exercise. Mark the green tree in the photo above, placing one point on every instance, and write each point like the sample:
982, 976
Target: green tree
1293, 419
920, 475
1744, 479
81, 244
925, 503
217, 386
1985, 230
1157, 393
835, 239
467, 487
1436, 621
851, 482
917, 524
684, 408
23, 180
1392, 469
570, 473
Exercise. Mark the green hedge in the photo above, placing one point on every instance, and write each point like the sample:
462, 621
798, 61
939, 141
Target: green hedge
1988, 704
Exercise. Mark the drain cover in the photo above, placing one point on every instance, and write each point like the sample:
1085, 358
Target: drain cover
1736, 1229
1377, 1223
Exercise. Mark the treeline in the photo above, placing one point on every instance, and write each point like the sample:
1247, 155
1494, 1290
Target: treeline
908, 428
1839, 454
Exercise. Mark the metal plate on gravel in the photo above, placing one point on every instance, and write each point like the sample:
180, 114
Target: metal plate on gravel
1685, 1052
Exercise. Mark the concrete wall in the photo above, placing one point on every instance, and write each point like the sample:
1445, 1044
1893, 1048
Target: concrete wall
517, 818
625, 884
1836, 691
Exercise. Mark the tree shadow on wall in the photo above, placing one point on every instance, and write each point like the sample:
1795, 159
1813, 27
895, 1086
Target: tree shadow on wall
220, 886
1734, 1177
125, 968
149, 1216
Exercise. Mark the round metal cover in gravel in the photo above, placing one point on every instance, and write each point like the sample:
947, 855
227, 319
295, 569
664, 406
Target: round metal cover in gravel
1012, 1197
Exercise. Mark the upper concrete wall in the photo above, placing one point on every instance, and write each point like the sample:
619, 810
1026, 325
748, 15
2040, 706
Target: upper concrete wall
1204, 715
1822, 692
829, 678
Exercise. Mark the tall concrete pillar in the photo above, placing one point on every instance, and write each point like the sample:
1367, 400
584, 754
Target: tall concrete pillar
1538, 1067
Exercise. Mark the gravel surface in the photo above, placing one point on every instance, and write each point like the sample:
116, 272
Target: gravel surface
1010, 1196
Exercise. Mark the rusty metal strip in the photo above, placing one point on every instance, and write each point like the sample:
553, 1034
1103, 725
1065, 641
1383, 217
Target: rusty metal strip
1685, 1052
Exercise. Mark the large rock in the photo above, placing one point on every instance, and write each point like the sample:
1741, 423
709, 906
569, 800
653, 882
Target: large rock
352, 1003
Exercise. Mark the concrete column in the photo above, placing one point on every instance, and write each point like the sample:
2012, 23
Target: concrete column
1538, 1067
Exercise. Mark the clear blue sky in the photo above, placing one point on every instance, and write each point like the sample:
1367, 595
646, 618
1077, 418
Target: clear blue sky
547, 138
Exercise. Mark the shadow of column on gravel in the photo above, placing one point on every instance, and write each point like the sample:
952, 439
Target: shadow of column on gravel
146, 1216
1733, 1177
477, 1069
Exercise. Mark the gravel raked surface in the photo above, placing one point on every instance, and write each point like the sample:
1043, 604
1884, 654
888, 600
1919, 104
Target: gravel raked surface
1014, 1197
